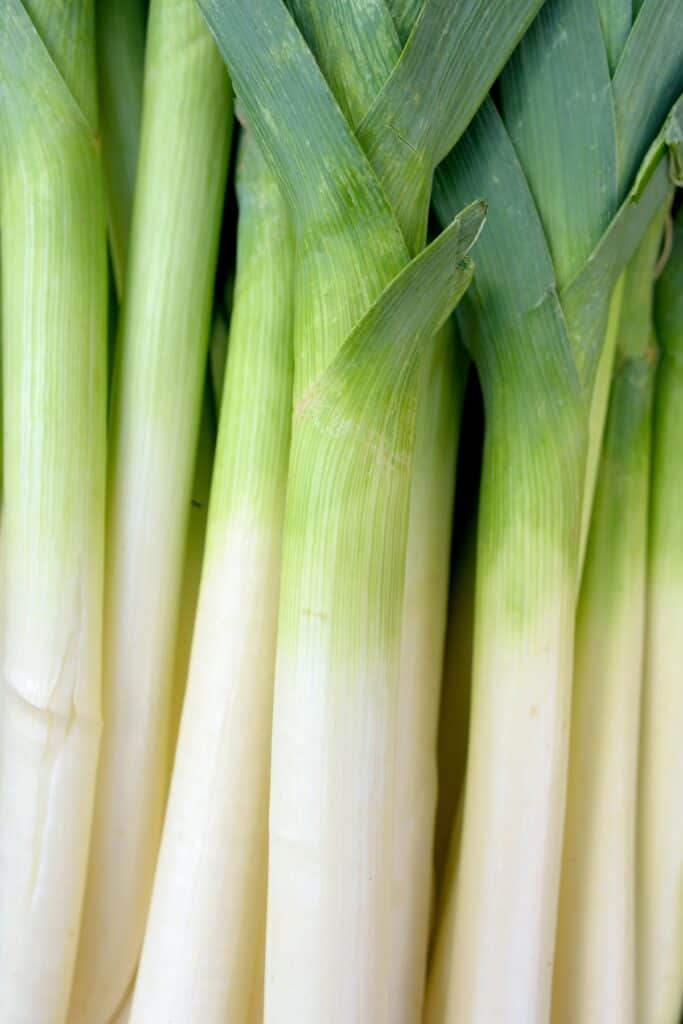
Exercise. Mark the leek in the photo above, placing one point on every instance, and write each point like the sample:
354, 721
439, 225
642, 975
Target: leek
555, 163
660, 822
334, 732
160, 366
357, 47
54, 323
595, 969
219, 793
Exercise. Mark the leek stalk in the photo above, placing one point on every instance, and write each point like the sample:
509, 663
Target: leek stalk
660, 823
334, 730
160, 365
555, 181
203, 899
357, 47
120, 27
54, 323
595, 962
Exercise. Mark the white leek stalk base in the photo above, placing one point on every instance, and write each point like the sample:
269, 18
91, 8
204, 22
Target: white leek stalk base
216, 824
508, 876
594, 977
660, 820
48, 769
424, 625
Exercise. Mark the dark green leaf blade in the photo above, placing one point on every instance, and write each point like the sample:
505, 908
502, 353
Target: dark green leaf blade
557, 105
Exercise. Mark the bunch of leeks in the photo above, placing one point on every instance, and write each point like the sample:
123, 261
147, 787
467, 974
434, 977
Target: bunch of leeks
267, 751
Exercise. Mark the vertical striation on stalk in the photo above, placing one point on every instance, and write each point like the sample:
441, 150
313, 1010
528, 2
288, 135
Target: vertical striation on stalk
408, 106
157, 392
210, 883
660, 822
336, 695
594, 975
54, 322
547, 269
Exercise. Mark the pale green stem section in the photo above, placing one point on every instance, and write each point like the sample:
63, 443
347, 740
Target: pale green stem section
120, 60
335, 725
333, 815
54, 310
660, 819
598, 414
422, 644
194, 556
594, 975
161, 359
204, 944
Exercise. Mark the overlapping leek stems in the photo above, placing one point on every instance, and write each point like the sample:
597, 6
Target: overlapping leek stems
660, 823
160, 365
202, 899
555, 183
300, 871
54, 322
334, 726
404, 141
595, 961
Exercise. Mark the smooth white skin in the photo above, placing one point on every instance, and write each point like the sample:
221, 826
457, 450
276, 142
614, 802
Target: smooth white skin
134, 759
207, 916
594, 978
506, 897
339, 825
660, 821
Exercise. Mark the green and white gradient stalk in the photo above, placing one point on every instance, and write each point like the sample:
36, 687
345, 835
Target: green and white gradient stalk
566, 213
454, 711
660, 817
54, 322
525, 595
210, 884
358, 46
422, 644
335, 750
527, 544
594, 976
407, 106
160, 367
358, 332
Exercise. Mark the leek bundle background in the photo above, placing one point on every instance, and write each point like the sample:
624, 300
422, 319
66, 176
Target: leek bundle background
343, 774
